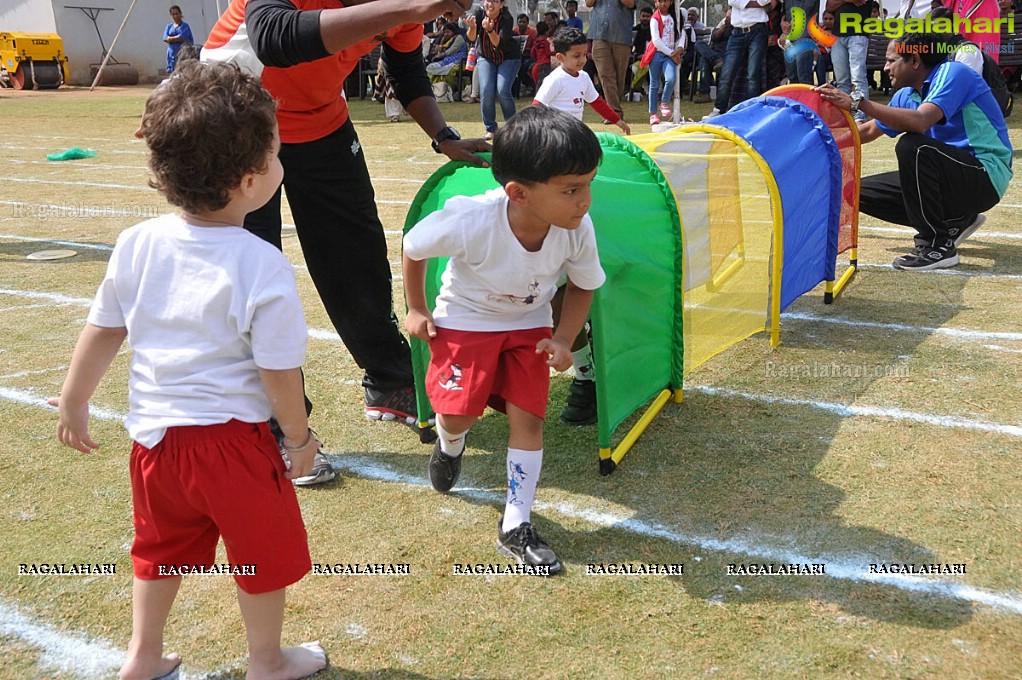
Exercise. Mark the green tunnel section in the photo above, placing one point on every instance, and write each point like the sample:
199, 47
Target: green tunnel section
636, 315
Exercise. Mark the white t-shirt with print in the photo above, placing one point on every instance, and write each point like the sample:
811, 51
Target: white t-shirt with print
562, 91
205, 308
492, 283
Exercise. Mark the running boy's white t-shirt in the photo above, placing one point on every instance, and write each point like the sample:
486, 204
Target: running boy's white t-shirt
205, 308
562, 91
492, 283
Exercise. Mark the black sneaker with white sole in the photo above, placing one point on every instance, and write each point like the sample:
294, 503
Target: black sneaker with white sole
443, 469
397, 406
968, 230
525, 546
923, 258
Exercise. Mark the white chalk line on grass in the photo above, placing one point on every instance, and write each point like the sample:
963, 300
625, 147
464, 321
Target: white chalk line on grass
852, 410
839, 570
70, 653
69, 244
979, 235
959, 333
101, 185
964, 273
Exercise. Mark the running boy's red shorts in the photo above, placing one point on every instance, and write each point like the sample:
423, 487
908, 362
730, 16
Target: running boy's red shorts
206, 481
469, 369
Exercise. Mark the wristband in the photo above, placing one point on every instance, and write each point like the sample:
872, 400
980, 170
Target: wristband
308, 440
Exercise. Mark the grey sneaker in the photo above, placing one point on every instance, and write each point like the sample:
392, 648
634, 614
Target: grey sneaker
321, 473
969, 230
712, 114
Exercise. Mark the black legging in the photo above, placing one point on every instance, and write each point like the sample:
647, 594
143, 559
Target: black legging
334, 208
937, 190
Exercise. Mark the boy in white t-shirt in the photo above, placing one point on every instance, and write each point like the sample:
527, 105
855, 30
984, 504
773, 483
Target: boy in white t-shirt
490, 334
568, 88
218, 339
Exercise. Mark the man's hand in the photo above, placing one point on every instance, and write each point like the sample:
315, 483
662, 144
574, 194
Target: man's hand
624, 126
73, 425
419, 324
558, 351
465, 150
838, 98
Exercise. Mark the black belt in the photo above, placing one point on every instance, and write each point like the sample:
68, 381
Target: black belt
749, 29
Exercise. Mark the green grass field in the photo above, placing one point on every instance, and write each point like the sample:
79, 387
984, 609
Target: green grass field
775, 456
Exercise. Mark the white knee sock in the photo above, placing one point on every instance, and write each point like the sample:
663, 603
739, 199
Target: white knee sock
451, 444
523, 469
582, 360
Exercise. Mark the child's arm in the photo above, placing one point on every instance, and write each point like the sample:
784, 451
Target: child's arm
419, 322
601, 107
287, 401
574, 312
93, 354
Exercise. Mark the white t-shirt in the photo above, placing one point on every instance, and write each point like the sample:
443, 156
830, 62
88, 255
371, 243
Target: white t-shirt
492, 283
562, 91
665, 43
205, 308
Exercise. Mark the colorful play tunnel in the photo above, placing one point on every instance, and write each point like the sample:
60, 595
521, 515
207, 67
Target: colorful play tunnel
706, 233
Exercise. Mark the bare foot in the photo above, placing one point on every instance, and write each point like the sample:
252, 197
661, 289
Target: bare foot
295, 662
150, 669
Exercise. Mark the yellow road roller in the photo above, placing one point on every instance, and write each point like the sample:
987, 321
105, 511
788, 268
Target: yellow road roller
30, 61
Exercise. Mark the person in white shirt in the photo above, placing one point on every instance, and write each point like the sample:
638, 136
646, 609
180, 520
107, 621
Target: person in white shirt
569, 88
489, 334
669, 48
218, 338
748, 43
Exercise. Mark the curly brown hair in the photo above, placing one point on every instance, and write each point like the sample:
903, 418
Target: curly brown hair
207, 126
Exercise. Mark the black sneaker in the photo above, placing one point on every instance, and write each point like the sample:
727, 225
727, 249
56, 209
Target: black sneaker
396, 404
923, 258
443, 470
969, 230
581, 407
525, 546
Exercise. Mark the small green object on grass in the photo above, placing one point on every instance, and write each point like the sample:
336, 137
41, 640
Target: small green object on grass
74, 153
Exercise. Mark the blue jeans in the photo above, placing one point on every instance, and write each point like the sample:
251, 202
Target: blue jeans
848, 55
800, 70
750, 46
707, 56
495, 85
661, 66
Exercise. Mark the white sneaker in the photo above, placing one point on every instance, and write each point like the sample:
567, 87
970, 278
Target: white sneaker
712, 114
969, 230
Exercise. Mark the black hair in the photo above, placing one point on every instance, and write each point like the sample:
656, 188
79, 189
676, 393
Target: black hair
541, 28
927, 45
523, 16
567, 37
173, 7
540, 143
647, 9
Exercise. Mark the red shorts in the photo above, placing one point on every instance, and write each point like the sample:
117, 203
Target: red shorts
468, 369
206, 481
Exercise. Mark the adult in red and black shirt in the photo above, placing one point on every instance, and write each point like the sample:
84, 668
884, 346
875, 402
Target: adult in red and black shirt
305, 49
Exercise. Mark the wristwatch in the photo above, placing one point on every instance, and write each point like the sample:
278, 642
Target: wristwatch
446, 133
857, 96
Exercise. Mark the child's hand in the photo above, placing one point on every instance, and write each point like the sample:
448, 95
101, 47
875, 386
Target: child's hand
558, 350
301, 459
73, 426
624, 126
419, 324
